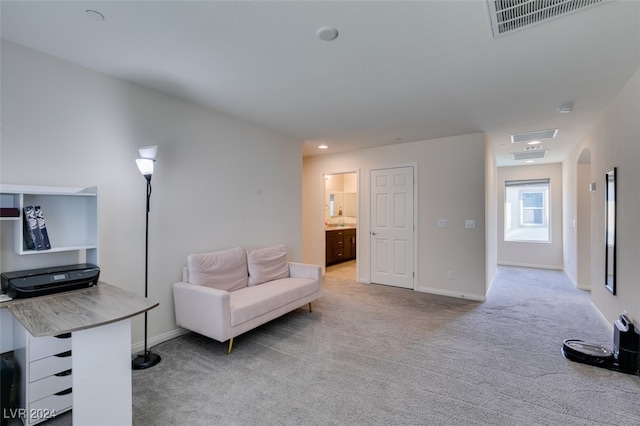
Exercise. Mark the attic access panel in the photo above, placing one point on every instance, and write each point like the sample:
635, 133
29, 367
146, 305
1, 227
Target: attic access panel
512, 15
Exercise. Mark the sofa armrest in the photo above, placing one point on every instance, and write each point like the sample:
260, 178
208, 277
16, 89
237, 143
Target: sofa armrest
305, 270
202, 309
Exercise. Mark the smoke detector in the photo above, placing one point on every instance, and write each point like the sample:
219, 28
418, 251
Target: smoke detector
327, 33
508, 16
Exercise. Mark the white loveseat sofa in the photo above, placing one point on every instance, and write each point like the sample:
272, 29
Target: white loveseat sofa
226, 293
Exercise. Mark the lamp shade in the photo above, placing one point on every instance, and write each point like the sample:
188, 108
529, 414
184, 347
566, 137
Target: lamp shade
149, 152
145, 165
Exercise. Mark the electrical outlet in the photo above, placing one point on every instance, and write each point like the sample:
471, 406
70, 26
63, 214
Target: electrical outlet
442, 223
451, 275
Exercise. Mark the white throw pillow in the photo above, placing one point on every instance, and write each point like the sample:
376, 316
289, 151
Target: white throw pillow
267, 264
224, 270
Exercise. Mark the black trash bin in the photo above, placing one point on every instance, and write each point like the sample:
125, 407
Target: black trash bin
6, 371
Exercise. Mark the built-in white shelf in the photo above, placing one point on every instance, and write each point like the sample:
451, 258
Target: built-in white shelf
70, 214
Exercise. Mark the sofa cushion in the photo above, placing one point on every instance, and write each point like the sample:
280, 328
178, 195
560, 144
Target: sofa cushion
251, 302
223, 270
267, 264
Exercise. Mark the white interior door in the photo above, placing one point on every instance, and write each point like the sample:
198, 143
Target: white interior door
392, 228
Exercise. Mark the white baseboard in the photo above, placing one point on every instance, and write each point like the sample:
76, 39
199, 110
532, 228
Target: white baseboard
156, 340
438, 291
602, 317
528, 265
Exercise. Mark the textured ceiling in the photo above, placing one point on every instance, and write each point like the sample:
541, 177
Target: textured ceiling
398, 71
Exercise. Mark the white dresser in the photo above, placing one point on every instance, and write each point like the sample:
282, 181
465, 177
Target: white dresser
45, 366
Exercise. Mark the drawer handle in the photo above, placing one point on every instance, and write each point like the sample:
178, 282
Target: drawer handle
63, 354
64, 392
63, 373
63, 336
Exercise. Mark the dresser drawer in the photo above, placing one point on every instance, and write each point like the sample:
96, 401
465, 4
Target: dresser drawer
42, 347
49, 366
49, 386
54, 404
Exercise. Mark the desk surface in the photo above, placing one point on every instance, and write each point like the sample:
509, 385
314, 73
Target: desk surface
77, 309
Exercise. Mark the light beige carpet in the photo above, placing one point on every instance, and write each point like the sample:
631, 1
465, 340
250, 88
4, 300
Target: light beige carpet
377, 355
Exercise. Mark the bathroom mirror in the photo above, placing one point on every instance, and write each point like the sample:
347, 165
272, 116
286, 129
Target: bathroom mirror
610, 234
336, 204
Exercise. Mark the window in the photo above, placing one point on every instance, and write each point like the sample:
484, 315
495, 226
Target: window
526, 210
532, 208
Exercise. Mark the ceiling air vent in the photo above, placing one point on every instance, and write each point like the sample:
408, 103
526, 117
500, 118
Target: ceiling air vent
529, 155
538, 135
512, 15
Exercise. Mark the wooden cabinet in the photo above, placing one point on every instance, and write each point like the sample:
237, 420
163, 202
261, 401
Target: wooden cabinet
340, 246
334, 247
349, 244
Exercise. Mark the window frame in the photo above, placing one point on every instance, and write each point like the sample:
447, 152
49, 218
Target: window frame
512, 213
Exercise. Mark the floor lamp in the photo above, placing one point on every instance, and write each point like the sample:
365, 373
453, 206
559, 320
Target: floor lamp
145, 164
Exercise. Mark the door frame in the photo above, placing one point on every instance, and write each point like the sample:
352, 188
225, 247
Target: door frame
358, 231
416, 222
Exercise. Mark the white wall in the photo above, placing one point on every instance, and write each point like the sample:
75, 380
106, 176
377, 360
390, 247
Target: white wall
219, 182
491, 214
535, 255
613, 141
577, 220
451, 185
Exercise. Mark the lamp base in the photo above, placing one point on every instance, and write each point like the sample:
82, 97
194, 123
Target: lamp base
145, 361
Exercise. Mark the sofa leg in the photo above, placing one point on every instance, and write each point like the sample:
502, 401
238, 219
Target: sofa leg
230, 346
310, 310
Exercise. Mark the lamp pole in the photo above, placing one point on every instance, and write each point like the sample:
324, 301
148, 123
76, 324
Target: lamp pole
145, 164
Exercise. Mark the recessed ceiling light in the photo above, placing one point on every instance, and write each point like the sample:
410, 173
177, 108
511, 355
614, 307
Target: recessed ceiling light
323, 146
327, 33
94, 14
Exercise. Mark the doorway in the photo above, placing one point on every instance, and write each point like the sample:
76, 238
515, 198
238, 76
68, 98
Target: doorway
392, 226
341, 222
